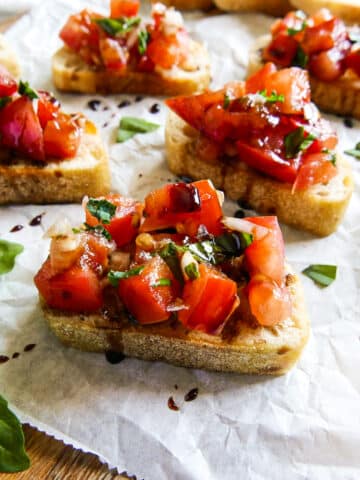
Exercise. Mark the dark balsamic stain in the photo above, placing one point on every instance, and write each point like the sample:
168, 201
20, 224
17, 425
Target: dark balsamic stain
140, 175
172, 405
36, 221
114, 357
16, 228
105, 125
94, 105
155, 108
4, 359
348, 122
138, 98
124, 103
191, 395
175, 386
15, 355
239, 214
105, 108
29, 347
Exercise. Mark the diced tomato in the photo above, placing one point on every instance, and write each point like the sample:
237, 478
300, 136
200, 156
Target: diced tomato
145, 247
144, 295
8, 84
145, 64
124, 8
48, 107
20, 128
211, 298
185, 207
269, 303
75, 290
96, 253
124, 226
265, 256
320, 16
281, 50
352, 61
324, 36
292, 20
168, 50
256, 82
113, 55
61, 137
315, 168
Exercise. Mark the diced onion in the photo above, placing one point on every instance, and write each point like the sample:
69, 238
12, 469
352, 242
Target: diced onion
187, 259
244, 226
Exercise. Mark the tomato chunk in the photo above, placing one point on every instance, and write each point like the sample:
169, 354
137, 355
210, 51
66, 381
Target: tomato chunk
211, 298
48, 107
8, 84
316, 168
149, 294
61, 137
124, 8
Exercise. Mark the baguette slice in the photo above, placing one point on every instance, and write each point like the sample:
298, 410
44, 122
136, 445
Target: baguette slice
271, 7
187, 4
318, 210
241, 348
24, 181
348, 10
341, 96
8, 58
72, 74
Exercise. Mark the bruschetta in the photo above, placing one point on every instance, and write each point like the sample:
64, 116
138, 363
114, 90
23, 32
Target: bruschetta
173, 279
123, 54
326, 48
46, 155
264, 143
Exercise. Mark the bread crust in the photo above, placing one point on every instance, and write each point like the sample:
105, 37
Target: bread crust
348, 10
188, 4
23, 181
241, 348
71, 74
271, 7
8, 58
341, 96
318, 210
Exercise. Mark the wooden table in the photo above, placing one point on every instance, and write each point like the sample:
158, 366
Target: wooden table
50, 458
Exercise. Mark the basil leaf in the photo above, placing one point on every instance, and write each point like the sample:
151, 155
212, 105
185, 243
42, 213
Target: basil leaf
162, 282
117, 26
323, 275
13, 457
226, 101
192, 271
25, 89
300, 59
97, 229
169, 254
123, 135
115, 276
143, 40
8, 253
101, 209
4, 101
129, 126
295, 142
331, 155
273, 97
294, 31
355, 152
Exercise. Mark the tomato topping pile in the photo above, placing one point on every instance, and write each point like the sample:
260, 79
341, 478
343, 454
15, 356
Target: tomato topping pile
173, 257
37, 129
320, 43
123, 41
267, 122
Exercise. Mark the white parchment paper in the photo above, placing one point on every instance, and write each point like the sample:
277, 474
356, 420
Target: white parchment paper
305, 425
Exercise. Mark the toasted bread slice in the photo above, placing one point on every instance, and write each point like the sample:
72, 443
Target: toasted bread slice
318, 210
272, 7
348, 10
341, 96
188, 4
68, 180
241, 348
72, 74
8, 58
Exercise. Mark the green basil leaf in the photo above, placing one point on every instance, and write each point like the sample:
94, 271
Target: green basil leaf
294, 31
115, 276
123, 135
192, 271
169, 254
137, 125
226, 101
25, 89
4, 101
331, 155
101, 209
8, 253
13, 457
143, 40
162, 282
117, 26
323, 275
273, 97
355, 152
296, 142
97, 229
300, 59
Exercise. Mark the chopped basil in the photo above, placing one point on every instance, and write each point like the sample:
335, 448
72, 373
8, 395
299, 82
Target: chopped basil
143, 40
300, 59
101, 209
294, 31
13, 457
169, 254
98, 229
25, 89
130, 126
115, 276
323, 275
273, 97
162, 282
295, 142
331, 154
4, 101
192, 271
226, 101
117, 26
76, 230
355, 152
8, 252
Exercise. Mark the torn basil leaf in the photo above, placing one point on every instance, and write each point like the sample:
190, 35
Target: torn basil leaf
8, 252
117, 26
13, 457
101, 209
273, 97
143, 40
130, 126
323, 275
115, 276
296, 142
355, 152
169, 254
25, 89
226, 101
192, 271
300, 59
162, 282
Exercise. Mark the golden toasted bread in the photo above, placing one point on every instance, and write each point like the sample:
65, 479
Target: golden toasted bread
272, 7
8, 58
348, 10
188, 4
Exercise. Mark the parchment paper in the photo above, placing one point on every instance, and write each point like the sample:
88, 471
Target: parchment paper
304, 425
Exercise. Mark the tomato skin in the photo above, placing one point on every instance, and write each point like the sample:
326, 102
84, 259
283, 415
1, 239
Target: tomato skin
168, 50
48, 107
124, 8
112, 53
281, 50
210, 299
124, 226
146, 301
8, 84
20, 128
61, 137
256, 82
315, 169
75, 290
184, 207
